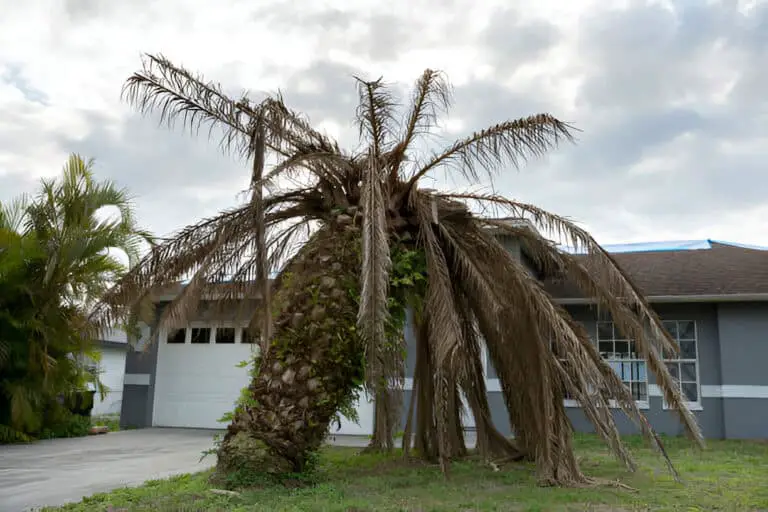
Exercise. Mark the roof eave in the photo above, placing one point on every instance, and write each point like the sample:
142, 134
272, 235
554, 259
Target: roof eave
734, 297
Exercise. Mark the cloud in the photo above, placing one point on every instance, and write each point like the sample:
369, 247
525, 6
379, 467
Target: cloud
669, 97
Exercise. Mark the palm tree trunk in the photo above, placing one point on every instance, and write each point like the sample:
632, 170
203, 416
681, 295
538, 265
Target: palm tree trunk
312, 364
386, 417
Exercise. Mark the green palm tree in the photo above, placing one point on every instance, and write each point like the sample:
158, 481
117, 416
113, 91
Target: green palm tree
58, 255
340, 294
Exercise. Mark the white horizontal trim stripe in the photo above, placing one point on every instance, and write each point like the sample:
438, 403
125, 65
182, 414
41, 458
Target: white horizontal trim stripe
734, 391
724, 391
136, 379
735, 297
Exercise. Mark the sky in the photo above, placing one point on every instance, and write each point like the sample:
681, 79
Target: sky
669, 97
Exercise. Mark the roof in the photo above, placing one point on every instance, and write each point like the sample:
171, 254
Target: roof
687, 269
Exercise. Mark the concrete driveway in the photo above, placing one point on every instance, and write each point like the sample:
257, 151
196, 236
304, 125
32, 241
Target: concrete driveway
64, 470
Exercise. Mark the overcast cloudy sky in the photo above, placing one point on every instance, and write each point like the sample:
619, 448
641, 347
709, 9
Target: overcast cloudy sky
671, 97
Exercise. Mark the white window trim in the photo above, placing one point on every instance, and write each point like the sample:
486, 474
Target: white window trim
697, 405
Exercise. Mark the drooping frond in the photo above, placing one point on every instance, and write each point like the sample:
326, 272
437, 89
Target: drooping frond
517, 341
376, 263
574, 360
598, 275
444, 321
507, 142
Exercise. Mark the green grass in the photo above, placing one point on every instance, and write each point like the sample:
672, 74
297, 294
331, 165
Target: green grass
729, 475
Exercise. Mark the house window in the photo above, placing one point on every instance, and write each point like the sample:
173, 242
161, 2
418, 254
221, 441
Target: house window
177, 336
620, 354
201, 335
225, 335
684, 365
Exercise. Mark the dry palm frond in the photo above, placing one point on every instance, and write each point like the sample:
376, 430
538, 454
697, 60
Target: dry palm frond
489, 149
376, 263
375, 115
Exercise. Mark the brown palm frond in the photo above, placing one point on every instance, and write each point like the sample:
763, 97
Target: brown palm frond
376, 264
219, 238
169, 261
290, 129
431, 96
572, 343
490, 442
631, 319
376, 115
334, 168
580, 240
489, 149
178, 94
602, 279
445, 326
184, 306
522, 358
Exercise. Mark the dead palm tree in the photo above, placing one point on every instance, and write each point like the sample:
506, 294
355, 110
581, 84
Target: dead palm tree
333, 312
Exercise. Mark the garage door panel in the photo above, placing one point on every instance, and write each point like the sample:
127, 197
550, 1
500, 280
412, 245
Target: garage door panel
196, 384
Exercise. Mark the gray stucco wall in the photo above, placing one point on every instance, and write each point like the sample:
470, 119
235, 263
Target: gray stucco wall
139, 387
743, 329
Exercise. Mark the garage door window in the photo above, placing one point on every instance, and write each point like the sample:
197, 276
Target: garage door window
201, 335
177, 336
225, 335
247, 336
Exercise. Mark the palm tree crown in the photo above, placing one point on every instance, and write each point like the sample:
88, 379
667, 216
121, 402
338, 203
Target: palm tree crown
476, 290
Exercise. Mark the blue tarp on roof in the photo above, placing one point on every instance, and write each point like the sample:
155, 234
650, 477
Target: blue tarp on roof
672, 245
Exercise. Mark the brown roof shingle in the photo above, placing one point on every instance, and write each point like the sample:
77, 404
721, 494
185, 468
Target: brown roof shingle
721, 270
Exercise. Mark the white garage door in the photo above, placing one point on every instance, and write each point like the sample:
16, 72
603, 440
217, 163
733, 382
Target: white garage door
364, 425
197, 378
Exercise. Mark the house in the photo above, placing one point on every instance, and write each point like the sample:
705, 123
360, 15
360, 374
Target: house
712, 297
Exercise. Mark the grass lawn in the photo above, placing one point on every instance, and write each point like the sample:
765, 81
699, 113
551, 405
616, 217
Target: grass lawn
729, 475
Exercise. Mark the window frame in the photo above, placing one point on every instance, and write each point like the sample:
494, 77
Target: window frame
642, 404
168, 337
213, 329
695, 405
240, 336
215, 334
595, 339
201, 326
